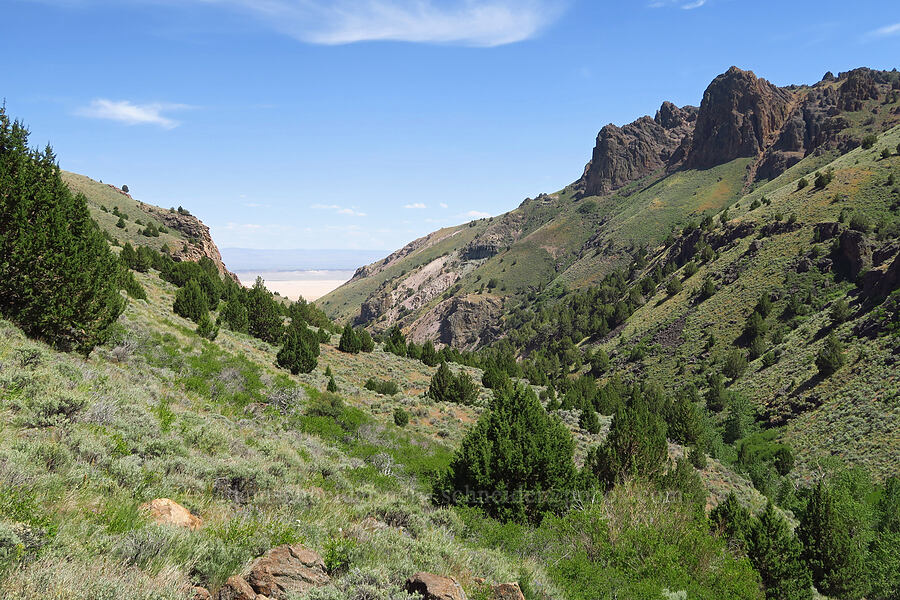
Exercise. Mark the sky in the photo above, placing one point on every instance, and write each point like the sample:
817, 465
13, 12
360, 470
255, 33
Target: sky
363, 124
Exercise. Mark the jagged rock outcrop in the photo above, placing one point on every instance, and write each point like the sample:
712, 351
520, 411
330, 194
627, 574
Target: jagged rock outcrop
460, 321
193, 228
507, 591
739, 116
854, 253
624, 154
859, 86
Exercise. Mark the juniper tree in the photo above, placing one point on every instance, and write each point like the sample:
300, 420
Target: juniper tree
366, 343
634, 448
58, 279
588, 420
429, 355
350, 341
190, 302
234, 314
300, 350
516, 463
776, 555
264, 318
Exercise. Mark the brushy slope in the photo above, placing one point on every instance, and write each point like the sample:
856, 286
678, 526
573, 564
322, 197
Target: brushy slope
160, 412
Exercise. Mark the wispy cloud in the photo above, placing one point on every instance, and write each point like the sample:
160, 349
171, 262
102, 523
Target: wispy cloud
465, 22
443, 205
682, 4
341, 210
128, 113
416, 205
477, 214
883, 32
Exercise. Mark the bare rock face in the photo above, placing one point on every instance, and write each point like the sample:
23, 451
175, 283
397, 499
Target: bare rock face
739, 116
287, 570
435, 587
194, 229
859, 86
167, 512
200, 593
625, 154
459, 321
854, 253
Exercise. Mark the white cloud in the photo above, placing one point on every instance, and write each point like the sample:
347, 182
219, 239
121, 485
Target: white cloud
477, 214
341, 210
466, 22
126, 112
886, 31
682, 4
444, 205
415, 205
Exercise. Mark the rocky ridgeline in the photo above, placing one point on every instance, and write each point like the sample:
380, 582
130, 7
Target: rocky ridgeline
192, 228
740, 116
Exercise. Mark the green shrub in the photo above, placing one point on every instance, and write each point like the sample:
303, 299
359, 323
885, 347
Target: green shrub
207, 329
401, 417
801, 184
387, 388
690, 269
831, 357
338, 554
869, 141
735, 363
674, 286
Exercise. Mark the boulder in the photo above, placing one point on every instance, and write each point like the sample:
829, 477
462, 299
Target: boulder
507, 591
236, 588
200, 593
435, 587
288, 569
167, 512
826, 231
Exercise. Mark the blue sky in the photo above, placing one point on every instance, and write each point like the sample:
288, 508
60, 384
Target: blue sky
365, 123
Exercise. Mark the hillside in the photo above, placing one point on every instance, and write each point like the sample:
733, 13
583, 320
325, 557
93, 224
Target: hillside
709, 194
259, 458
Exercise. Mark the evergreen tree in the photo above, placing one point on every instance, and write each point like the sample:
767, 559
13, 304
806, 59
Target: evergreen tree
366, 343
732, 521
832, 548
401, 417
263, 314
395, 342
429, 356
442, 384
589, 421
332, 385
739, 419
463, 390
516, 462
684, 422
599, 363
350, 341
206, 328
776, 555
634, 448
831, 357
59, 281
716, 395
735, 363
234, 314
190, 302
300, 350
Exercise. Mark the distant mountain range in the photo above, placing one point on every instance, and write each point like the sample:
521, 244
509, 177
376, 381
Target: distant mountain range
250, 259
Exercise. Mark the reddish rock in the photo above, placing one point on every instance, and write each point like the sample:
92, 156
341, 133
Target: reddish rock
625, 154
236, 588
740, 115
435, 587
200, 593
288, 569
167, 512
507, 591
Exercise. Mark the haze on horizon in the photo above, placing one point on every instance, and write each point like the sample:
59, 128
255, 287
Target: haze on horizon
363, 125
